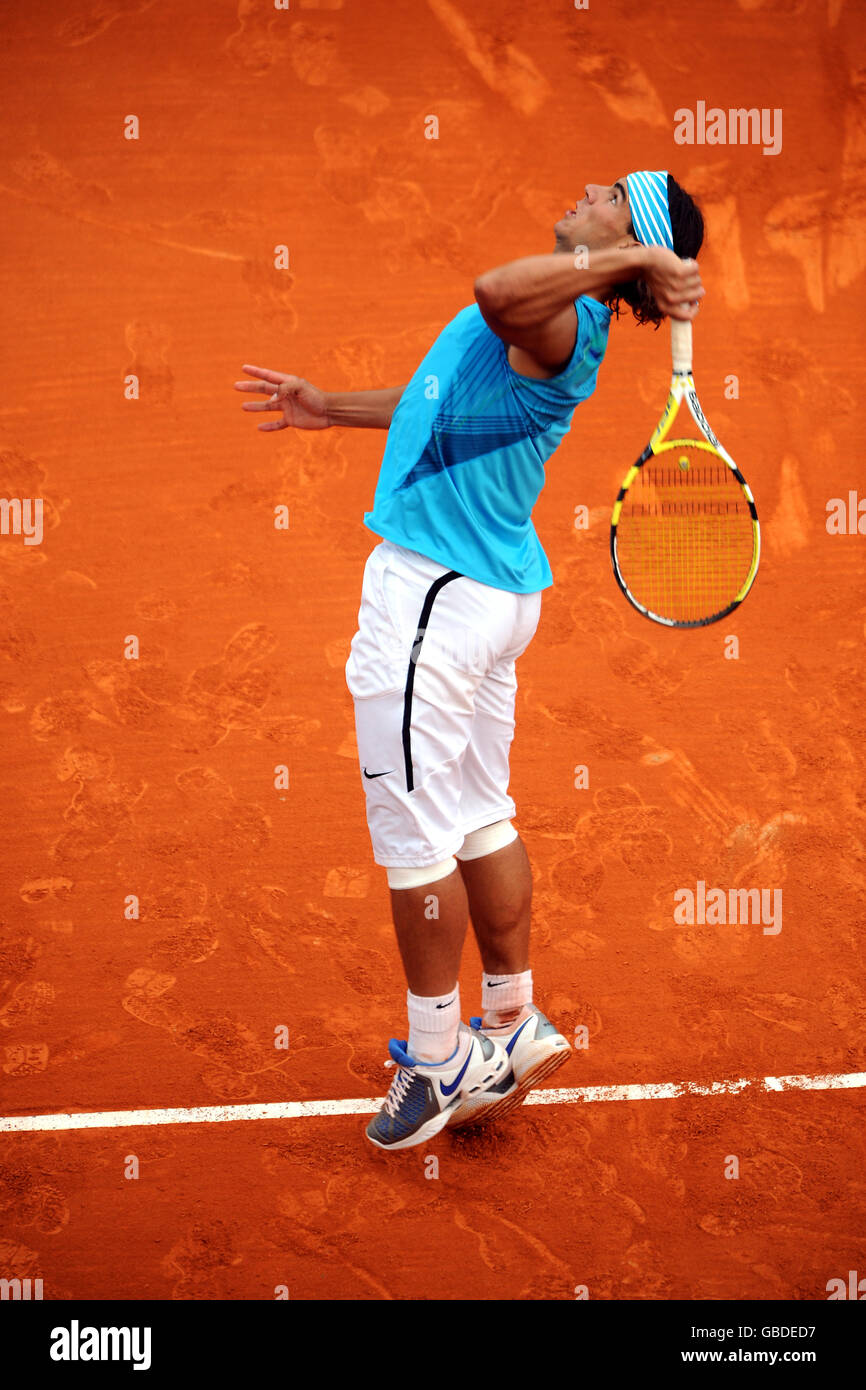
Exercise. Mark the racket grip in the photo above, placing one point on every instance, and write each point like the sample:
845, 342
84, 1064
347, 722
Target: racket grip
681, 344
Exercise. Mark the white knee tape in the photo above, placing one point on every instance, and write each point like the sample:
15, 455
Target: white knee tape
416, 878
489, 838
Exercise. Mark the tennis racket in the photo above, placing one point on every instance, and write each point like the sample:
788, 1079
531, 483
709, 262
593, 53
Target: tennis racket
684, 536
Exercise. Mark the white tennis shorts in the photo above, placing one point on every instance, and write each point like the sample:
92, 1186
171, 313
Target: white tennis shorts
432, 676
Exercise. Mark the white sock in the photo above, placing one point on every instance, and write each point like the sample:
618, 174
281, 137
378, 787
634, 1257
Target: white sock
503, 997
434, 1021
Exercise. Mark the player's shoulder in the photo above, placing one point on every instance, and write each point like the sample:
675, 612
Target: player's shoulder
596, 309
568, 377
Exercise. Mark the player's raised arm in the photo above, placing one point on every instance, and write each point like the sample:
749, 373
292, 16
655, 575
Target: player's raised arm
529, 303
304, 407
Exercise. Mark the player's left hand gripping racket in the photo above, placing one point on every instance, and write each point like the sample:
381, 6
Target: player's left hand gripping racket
684, 536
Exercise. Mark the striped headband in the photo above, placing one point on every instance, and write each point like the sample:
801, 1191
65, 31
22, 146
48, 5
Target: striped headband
648, 202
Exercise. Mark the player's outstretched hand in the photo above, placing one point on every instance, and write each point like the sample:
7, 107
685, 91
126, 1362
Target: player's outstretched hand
675, 285
301, 404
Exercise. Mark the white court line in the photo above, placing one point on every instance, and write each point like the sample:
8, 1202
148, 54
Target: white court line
295, 1110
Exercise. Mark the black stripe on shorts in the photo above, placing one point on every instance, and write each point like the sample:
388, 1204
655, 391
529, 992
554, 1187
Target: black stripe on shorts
426, 610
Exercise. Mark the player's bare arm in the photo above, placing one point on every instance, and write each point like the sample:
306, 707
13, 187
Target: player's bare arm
529, 303
304, 406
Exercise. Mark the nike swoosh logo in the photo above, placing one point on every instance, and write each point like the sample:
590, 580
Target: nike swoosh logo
449, 1090
517, 1035
448, 1005
378, 774
494, 984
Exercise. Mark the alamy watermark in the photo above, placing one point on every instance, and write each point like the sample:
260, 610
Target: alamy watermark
716, 907
853, 1288
22, 516
77, 1343
738, 125
25, 1290
846, 517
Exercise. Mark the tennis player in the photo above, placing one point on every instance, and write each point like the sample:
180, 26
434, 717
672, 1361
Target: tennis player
451, 598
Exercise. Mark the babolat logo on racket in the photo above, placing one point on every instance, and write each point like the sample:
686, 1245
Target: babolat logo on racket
700, 417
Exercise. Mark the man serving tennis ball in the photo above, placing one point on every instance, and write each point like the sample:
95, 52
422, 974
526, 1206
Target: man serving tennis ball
451, 598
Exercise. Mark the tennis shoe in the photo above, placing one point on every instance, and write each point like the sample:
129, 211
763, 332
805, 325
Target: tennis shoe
423, 1094
535, 1049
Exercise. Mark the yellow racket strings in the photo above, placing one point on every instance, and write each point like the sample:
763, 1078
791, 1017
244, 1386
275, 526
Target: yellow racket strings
685, 537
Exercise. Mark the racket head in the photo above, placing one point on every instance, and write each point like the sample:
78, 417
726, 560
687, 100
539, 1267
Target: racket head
685, 538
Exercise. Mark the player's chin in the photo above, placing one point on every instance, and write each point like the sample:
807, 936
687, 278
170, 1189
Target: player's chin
565, 233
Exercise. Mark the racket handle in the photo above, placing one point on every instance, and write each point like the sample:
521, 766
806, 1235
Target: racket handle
681, 344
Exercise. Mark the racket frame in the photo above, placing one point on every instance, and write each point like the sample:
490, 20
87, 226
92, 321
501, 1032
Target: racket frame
682, 387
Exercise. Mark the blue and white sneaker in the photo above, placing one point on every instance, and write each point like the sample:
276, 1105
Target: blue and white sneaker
423, 1094
535, 1048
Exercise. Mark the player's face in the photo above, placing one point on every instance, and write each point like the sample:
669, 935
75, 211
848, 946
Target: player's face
600, 219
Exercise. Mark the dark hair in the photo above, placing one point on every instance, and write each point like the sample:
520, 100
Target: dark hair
688, 228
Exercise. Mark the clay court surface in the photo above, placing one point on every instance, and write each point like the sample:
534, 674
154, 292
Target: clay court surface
260, 906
